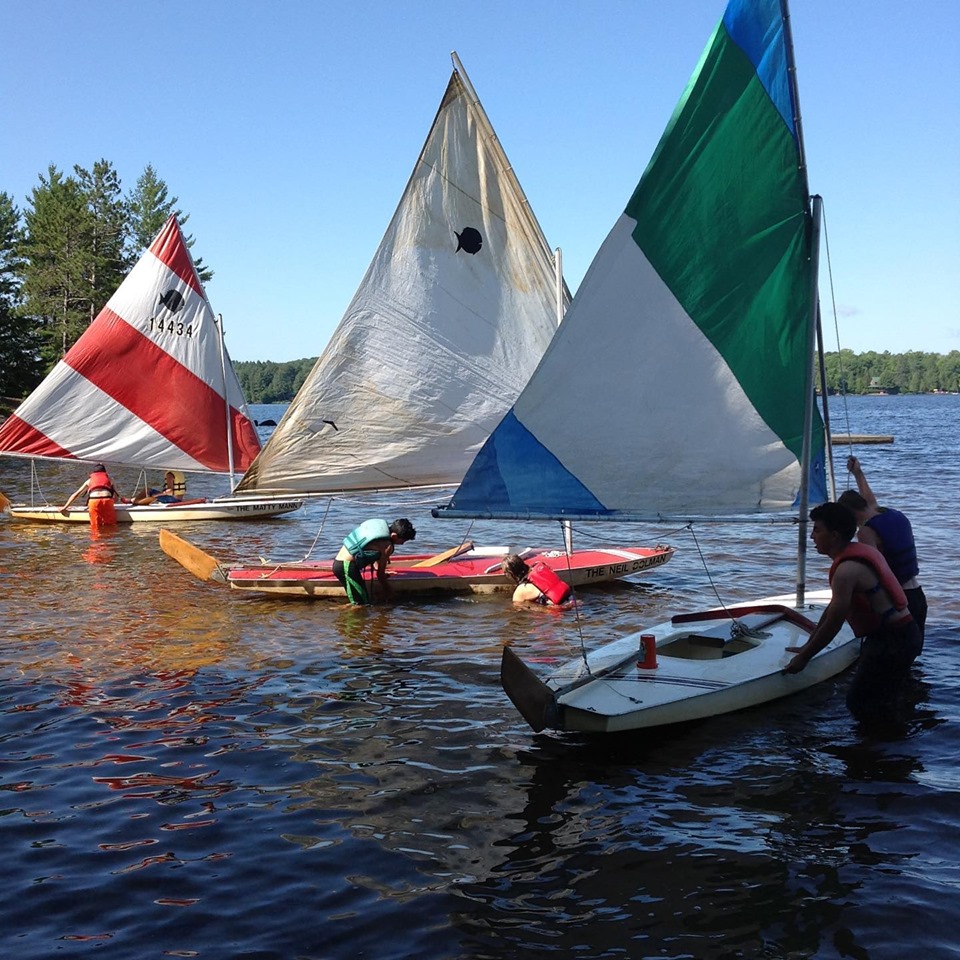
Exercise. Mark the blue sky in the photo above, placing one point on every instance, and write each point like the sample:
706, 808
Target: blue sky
288, 131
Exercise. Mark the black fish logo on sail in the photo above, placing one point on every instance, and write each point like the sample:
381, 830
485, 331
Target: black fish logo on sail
172, 300
468, 239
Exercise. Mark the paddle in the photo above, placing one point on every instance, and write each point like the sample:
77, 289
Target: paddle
445, 556
191, 558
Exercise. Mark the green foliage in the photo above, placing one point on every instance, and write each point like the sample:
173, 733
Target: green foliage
910, 372
20, 367
108, 225
59, 248
149, 206
264, 381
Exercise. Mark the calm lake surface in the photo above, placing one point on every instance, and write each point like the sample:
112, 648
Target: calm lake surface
189, 773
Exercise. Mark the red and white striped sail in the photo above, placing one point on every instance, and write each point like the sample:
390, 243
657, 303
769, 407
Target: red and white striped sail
144, 385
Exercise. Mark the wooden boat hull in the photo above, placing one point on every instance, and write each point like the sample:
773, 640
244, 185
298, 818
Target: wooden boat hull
476, 571
228, 508
701, 671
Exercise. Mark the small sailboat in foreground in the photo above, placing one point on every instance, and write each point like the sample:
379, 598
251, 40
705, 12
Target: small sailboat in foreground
706, 285
455, 311
149, 384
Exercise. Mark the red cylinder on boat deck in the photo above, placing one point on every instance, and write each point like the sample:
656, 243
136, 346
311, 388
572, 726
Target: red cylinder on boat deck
648, 652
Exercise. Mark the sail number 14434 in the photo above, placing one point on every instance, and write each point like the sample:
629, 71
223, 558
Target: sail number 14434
178, 328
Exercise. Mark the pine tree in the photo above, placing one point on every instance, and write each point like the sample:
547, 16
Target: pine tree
20, 367
59, 250
149, 206
109, 263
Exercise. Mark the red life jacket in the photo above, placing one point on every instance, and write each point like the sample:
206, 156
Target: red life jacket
100, 480
548, 583
862, 617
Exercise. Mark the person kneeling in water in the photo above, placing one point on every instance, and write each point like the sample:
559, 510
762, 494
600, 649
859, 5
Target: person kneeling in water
537, 584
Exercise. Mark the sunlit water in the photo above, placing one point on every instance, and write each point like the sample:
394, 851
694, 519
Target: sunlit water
190, 773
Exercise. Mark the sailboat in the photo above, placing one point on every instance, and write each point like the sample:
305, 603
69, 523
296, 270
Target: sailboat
455, 311
149, 384
705, 294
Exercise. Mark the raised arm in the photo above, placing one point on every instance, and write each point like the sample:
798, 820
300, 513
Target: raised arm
853, 465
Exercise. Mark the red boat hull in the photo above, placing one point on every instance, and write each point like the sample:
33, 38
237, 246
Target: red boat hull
473, 572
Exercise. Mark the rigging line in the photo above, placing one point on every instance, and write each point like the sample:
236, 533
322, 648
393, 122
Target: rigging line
420, 502
836, 330
583, 533
466, 536
576, 604
378, 502
320, 531
35, 486
706, 569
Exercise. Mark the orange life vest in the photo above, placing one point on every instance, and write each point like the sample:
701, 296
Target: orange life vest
100, 480
548, 583
862, 617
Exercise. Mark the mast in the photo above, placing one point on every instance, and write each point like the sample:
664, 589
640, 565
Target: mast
558, 268
812, 342
558, 276
226, 399
804, 499
832, 492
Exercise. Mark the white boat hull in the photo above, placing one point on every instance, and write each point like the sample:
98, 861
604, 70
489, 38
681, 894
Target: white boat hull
228, 508
701, 671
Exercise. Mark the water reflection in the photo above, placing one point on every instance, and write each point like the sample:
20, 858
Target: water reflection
621, 844
362, 629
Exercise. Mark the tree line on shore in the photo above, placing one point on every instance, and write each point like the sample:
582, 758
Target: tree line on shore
63, 256
265, 381
910, 372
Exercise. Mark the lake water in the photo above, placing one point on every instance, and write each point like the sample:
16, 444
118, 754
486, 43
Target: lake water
189, 773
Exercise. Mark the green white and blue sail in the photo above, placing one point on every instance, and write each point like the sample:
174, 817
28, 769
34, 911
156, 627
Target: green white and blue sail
678, 381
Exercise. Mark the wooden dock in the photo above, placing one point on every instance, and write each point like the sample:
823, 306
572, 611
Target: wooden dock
855, 438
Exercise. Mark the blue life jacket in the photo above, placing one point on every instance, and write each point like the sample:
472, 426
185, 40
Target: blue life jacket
896, 535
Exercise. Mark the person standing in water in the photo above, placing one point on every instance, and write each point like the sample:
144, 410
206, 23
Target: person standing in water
864, 592
372, 542
101, 497
891, 533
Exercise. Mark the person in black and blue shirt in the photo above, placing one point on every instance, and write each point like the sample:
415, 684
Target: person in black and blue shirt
169, 494
371, 543
892, 534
